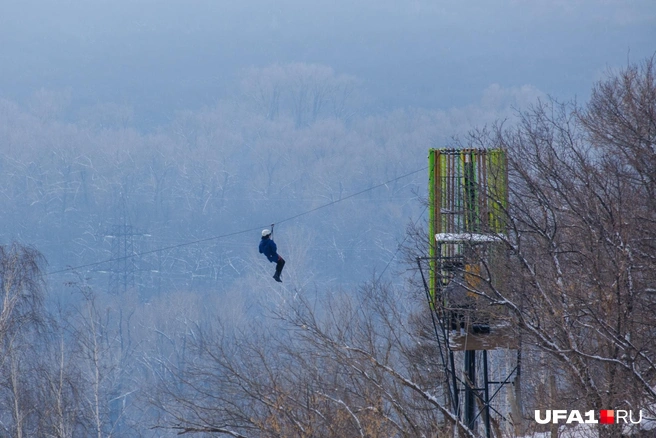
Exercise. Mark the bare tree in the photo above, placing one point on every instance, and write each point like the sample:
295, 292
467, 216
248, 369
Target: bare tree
332, 367
22, 317
102, 347
580, 246
303, 91
22, 288
620, 121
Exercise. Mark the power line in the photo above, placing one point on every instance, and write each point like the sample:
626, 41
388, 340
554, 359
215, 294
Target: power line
249, 230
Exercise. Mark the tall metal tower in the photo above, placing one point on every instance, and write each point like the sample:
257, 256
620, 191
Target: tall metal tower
467, 210
122, 267
124, 240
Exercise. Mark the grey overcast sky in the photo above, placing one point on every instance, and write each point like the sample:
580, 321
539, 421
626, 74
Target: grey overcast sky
167, 55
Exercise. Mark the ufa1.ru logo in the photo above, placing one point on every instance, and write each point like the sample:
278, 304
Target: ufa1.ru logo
606, 416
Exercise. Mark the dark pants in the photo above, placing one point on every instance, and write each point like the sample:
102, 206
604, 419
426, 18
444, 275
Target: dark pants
279, 266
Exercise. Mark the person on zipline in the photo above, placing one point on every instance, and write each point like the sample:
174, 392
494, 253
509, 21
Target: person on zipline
268, 248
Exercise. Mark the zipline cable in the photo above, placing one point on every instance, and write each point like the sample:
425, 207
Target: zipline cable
249, 230
398, 248
353, 195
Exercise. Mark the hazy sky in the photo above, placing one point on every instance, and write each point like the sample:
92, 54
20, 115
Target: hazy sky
165, 55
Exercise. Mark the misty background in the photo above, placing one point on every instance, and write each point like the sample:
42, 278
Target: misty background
187, 120
162, 57
174, 131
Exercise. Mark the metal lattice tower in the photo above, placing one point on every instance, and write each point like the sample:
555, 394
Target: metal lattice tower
467, 208
122, 268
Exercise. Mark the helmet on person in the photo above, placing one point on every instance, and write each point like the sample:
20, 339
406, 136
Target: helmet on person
266, 233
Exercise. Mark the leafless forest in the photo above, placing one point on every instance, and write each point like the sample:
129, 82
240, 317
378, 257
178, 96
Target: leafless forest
198, 339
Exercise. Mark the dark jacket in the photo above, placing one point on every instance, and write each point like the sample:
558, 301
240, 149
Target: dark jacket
268, 248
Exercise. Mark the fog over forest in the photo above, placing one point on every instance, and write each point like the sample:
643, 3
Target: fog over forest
144, 145
162, 57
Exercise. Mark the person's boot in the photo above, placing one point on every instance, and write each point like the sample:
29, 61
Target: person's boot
279, 266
